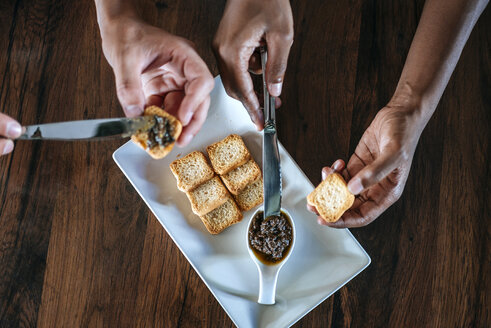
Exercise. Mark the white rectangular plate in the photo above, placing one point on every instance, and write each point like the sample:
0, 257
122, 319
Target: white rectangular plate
322, 261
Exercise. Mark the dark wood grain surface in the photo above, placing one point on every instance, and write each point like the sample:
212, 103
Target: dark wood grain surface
78, 247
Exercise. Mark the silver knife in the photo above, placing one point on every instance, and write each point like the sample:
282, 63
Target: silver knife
88, 129
271, 155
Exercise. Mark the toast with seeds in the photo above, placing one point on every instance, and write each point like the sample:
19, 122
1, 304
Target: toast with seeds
208, 196
251, 196
237, 179
222, 217
228, 154
331, 198
191, 170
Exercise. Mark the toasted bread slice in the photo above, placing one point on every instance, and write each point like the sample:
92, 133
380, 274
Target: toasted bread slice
191, 170
251, 196
175, 128
222, 217
228, 154
208, 196
331, 198
237, 179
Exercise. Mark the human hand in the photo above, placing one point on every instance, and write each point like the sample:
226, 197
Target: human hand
153, 67
378, 170
246, 24
9, 129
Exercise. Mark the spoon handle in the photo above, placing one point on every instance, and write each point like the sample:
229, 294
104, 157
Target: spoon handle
267, 285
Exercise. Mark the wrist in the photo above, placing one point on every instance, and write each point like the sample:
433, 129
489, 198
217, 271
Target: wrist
112, 14
411, 101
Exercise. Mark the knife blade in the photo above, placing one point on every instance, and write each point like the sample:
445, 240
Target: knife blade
88, 129
271, 155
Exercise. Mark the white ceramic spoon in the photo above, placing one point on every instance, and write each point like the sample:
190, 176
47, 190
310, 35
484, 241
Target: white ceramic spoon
268, 273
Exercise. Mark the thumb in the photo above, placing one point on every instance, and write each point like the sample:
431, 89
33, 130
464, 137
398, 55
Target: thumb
373, 173
129, 88
278, 50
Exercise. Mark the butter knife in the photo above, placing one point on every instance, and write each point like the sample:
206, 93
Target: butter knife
88, 129
271, 155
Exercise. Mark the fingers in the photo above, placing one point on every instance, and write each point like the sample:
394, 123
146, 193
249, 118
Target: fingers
129, 86
154, 100
195, 124
9, 128
195, 94
373, 173
312, 209
278, 49
172, 101
255, 63
245, 93
233, 65
361, 215
196, 90
6, 146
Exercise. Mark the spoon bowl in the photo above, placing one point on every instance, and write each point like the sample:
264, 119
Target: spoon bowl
268, 272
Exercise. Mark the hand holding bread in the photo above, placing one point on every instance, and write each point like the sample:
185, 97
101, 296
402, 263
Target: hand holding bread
154, 67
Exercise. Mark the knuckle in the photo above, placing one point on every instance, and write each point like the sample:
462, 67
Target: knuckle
277, 72
403, 154
223, 51
396, 194
283, 36
230, 91
368, 179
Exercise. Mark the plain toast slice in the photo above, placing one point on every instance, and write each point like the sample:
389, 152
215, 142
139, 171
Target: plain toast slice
227, 154
191, 170
222, 217
237, 179
172, 126
331, 197
251, 196
208, 196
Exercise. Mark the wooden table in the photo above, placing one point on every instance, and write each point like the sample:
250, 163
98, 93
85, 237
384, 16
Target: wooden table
78, 247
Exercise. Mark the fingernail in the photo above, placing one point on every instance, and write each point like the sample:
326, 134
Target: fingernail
337, 166
324, 175
9, 146
355, 186
186, 139
276, 89
187, 118
14, 130
133, 110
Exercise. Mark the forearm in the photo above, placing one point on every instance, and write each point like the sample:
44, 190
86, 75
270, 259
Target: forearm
442, 32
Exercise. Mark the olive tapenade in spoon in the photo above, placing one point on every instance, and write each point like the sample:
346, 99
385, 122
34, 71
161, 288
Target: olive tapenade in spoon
270, 239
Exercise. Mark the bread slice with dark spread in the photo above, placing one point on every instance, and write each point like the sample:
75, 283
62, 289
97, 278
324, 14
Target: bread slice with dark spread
159, 140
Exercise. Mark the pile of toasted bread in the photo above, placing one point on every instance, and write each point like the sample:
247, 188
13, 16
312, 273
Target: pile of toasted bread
220, 205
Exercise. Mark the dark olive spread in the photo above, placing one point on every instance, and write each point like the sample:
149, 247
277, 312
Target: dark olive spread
270, 239
161, 133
